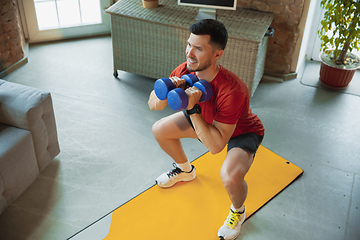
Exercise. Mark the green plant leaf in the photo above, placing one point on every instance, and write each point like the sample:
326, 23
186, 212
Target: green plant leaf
341, 25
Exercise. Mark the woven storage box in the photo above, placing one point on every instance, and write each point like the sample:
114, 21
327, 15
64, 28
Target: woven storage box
152, 42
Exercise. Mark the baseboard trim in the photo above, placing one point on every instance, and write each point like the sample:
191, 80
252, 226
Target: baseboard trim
266, 78
283, 76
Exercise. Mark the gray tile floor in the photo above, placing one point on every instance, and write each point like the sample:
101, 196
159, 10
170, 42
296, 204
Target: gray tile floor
108, 154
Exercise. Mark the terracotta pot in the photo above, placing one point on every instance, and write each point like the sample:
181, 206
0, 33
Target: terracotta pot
150, 3
334, 77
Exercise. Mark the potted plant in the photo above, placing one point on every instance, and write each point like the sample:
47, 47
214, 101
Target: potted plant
341, 20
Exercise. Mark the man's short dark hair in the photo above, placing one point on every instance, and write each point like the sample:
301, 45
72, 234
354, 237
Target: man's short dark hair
216, 30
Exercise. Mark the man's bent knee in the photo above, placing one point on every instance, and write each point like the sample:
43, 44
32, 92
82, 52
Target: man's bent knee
174, 126
230, 181
233, 177
158, 129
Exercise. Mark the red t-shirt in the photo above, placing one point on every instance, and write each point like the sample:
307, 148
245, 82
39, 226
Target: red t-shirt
229, 103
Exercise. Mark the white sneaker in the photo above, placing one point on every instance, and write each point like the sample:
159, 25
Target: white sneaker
169, 179
231, 228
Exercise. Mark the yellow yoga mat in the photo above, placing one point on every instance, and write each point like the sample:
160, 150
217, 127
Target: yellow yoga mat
196, 209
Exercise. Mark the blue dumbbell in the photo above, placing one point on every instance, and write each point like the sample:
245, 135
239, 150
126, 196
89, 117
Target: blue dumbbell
163, 86
178, 99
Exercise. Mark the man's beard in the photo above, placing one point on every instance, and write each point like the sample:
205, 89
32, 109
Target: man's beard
200, 68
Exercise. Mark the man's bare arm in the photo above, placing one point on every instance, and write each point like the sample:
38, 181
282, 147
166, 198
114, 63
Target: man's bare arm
214, 137
155, 103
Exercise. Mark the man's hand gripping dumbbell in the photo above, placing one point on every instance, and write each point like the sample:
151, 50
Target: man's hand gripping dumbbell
179, 91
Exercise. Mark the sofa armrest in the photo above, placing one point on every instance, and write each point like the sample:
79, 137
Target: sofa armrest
18, 104
31, 109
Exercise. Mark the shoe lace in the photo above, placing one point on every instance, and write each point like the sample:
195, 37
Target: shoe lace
233, 219
174, 171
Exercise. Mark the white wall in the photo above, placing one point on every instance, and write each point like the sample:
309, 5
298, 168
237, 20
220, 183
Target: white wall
310, 33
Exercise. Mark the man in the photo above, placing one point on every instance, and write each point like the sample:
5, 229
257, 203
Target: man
225, 119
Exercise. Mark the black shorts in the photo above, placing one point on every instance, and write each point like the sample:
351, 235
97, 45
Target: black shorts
250, 142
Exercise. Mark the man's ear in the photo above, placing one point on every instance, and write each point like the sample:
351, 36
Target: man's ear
218, 53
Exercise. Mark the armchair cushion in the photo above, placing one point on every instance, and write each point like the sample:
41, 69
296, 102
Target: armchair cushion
31, 109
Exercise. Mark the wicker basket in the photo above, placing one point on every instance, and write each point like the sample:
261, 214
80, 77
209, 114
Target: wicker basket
152, 42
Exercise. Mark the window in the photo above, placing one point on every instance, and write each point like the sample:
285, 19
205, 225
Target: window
53, 14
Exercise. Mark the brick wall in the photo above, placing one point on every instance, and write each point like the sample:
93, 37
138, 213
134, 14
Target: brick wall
281, 47
11, 38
